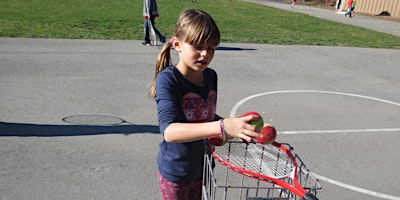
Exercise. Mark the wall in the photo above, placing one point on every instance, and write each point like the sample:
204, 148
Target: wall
375, 7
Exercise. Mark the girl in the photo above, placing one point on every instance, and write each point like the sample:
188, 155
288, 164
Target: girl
186, 96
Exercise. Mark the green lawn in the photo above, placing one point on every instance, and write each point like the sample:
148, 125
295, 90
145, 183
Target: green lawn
238, 21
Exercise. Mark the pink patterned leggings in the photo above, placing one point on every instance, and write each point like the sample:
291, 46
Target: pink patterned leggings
179, 191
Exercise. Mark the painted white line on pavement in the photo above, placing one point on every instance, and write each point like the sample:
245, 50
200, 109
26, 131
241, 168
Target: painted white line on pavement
340, 131
322, 178
354, 188
241, 102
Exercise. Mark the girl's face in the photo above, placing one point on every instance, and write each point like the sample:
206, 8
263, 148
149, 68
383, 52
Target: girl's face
193, 57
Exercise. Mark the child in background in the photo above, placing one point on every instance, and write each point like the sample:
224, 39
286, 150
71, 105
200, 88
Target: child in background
337, 6
150, 12
293, 3
351, 4
186, 98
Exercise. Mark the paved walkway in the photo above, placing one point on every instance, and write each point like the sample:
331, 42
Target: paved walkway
373, 23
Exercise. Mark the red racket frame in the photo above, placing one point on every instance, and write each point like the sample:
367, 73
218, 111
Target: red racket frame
296, 188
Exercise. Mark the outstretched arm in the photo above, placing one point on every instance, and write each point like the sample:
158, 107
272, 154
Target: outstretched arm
237, 127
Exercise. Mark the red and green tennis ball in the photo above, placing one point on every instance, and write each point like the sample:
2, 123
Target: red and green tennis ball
216, 140
267, 135
258, 122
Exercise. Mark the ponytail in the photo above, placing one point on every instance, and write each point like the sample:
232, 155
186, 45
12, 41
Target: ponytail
163, 61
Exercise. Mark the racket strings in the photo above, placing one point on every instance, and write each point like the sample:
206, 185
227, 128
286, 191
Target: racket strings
266, 160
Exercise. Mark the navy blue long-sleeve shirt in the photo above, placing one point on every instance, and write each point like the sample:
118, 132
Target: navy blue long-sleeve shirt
179, 100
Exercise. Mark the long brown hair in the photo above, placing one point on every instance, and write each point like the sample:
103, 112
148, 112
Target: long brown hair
195, 27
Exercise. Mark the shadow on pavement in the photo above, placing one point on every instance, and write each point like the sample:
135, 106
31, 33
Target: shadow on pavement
235, 49
49, 130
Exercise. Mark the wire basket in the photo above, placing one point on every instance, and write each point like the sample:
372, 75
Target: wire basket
232, 185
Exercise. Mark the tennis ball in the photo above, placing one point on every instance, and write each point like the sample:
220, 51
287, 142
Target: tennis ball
258, 122
216, 140
267, 135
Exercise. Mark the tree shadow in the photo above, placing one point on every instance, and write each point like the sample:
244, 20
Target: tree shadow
50, 130
235, 49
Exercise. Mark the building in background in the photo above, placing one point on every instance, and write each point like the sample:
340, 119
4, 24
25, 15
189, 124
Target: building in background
372, 7
377, 7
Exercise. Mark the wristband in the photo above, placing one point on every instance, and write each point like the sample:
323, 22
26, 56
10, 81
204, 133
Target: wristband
222, 133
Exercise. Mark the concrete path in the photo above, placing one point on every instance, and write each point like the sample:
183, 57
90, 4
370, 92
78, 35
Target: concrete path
380, 25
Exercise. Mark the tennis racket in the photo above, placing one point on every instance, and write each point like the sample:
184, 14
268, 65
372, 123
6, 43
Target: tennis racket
272, 163
153, 36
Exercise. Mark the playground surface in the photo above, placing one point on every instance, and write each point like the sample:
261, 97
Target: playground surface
77, 123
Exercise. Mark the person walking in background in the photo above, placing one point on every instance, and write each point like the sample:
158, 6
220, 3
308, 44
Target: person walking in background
150, 12
350, 4
186, 99
337, 6
293, 2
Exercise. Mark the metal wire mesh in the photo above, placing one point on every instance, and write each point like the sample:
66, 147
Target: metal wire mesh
219, 182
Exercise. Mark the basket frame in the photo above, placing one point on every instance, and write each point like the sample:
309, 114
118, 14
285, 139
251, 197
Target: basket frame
232, 185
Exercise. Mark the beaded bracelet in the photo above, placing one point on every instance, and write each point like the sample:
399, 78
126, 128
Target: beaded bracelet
222, 133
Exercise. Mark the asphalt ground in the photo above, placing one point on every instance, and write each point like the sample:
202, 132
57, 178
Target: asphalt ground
76, 122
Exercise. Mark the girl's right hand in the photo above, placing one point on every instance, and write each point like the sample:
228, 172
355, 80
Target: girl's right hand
239, 127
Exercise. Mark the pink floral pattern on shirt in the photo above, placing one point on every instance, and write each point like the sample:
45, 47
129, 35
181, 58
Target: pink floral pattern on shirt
197, 109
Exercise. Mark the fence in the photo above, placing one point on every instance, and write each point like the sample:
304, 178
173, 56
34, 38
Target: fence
373, 7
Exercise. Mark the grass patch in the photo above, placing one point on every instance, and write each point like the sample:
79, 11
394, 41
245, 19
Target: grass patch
238, 21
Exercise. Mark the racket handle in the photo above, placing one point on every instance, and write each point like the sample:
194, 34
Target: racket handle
309, 196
